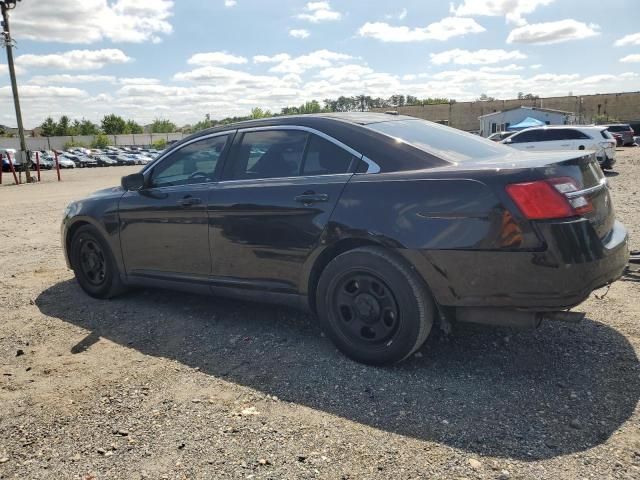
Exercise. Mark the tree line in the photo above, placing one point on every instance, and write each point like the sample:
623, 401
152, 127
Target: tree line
115, 125
110, 125
358, 103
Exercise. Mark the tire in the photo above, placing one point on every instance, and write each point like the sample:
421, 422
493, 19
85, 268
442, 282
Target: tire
373, 307
93, 264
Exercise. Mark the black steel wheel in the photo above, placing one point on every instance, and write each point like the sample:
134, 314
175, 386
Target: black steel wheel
93, 264
366, 306
373, 306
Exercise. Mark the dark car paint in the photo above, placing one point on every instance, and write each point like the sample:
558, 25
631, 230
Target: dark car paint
453, 223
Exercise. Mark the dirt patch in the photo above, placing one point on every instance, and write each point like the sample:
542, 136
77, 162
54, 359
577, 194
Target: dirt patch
167, 385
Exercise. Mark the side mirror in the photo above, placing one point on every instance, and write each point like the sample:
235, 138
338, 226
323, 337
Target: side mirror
133, 182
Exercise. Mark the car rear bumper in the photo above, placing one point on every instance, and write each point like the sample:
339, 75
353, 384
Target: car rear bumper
574, 263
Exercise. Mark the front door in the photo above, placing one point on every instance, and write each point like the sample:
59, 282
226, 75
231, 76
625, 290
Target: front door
163, 227
267, 214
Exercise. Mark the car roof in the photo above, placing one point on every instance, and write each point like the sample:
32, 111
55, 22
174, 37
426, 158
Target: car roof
350, 129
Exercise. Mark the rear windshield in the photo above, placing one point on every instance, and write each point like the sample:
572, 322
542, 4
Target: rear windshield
444, 142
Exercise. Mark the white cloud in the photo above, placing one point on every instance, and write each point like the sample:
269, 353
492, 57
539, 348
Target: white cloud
634, 58
74, 59
535, 66
298, 65
319, 12
280, 57
507, 68
552, 32
216, 58
443, 30
631, 39
345, 73
230, 3
299, 33
138, 81
66, 78
39, 92
477, 57
513, 10
90, 21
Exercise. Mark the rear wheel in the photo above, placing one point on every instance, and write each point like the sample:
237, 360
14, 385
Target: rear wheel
93, 264
374, 308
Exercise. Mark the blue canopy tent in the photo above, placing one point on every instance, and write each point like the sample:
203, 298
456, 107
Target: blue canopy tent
526, 123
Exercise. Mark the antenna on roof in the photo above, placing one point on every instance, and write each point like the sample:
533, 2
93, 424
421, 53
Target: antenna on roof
391, 112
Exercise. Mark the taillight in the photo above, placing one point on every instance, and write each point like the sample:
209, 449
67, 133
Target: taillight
547, 199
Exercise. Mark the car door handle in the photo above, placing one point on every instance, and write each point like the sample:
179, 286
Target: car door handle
188, 201
565, 145
530, 146
309, 198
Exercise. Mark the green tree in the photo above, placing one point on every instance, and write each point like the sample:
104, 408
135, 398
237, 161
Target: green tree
160, 144
64, 126
163, 126
101, 141
133, 127
113, 124
48, 127
88, 128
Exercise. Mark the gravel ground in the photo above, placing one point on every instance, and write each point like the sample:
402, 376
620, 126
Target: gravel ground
158, 384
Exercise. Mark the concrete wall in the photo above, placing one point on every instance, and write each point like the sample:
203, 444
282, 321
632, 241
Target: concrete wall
464, 115
58, 143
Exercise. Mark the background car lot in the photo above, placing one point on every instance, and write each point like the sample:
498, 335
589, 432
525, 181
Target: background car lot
182, 386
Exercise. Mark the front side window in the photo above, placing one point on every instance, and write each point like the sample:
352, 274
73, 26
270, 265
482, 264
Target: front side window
191, 164
524, 137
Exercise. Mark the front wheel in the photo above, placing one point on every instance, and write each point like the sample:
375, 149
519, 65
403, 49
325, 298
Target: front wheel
374, 307
93, 263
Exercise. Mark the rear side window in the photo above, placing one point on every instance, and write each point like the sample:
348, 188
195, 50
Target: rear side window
573, 134
325, 158
268, 154
606, 134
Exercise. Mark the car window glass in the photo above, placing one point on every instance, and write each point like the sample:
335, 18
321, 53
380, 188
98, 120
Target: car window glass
325, 158
193, 163
268, 154
528, 136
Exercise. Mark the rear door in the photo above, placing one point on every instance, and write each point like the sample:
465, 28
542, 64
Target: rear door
279, 188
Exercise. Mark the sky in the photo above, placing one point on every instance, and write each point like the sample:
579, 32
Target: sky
183, 59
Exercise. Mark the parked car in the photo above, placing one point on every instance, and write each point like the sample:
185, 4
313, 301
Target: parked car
618, 138
46, 162
105, 161
66, 162
624, 130
6, 166
82, 161
126, 159
567, 137
383, 225
142, 159
499, 136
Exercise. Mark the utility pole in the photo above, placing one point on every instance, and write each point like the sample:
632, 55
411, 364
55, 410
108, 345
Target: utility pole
7, 5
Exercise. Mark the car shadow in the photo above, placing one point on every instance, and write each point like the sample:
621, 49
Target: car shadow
528, 395
610, 173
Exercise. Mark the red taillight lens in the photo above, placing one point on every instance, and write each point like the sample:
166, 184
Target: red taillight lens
547, 199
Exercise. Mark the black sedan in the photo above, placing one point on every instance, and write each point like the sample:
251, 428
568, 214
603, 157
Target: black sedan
382, 225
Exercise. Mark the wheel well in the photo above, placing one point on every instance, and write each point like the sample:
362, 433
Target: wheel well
70, 233
329, 254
